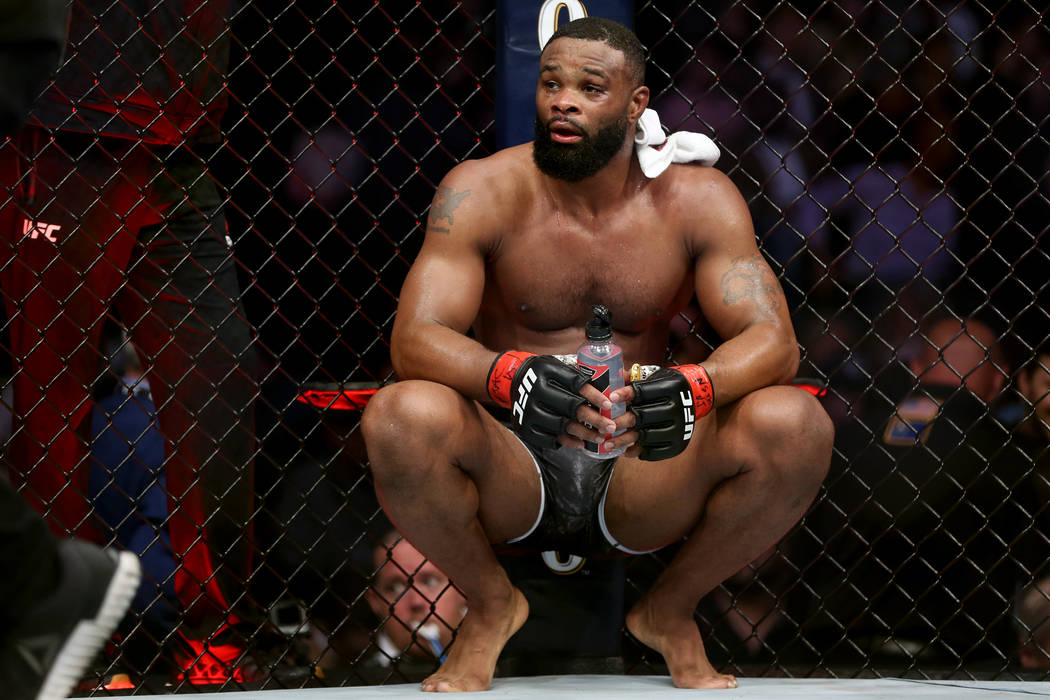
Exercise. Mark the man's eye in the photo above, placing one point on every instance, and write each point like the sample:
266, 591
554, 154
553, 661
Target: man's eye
394, 589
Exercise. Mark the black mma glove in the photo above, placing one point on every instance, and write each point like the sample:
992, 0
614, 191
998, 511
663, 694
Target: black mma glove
542, 394
666, 405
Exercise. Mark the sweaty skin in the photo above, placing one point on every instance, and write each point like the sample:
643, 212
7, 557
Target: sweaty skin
520, 257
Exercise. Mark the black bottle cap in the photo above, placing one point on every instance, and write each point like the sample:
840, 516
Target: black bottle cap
600, 327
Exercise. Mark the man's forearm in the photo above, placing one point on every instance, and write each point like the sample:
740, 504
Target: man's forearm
441, 354
762, 355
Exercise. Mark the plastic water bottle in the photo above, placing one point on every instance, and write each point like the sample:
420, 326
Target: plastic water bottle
602, 361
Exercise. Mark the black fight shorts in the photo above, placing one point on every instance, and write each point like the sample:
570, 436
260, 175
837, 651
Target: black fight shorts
571, 520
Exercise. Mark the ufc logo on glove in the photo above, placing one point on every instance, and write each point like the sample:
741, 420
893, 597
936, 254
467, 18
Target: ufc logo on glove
687, 409
523, 395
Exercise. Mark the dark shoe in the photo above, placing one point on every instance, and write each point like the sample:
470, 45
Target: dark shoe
49, 649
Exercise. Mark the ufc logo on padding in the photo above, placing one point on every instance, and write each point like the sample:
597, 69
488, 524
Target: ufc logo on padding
523, 395
34, 229
687, 408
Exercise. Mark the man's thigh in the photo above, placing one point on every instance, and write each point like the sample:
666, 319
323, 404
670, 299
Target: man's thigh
652, 504
508, 482
408, 419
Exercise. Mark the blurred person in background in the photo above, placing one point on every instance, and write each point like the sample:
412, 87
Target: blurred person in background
926, 513
418, 607
1032, 624
1030, 446
61, 599
128, 491
107, 207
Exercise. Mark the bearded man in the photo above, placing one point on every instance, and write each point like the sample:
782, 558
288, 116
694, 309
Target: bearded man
479, 444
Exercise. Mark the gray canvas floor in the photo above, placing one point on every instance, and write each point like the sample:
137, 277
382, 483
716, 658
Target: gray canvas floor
646, 687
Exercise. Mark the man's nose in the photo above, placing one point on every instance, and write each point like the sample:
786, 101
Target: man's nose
565, 103
415, 600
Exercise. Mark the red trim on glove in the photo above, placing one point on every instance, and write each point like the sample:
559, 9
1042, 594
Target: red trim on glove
501, 376
703, 392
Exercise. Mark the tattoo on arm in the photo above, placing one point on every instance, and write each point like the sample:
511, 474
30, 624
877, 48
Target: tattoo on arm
749, 278
445, 204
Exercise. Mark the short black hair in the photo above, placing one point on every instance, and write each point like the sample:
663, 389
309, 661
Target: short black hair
609, 32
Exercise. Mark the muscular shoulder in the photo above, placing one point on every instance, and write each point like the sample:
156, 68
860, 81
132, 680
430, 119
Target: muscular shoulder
503, 168
705, 203
485, 193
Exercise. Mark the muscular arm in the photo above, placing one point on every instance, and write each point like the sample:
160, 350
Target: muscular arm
740, 296
443, 291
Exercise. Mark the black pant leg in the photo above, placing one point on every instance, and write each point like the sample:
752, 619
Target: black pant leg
182, 308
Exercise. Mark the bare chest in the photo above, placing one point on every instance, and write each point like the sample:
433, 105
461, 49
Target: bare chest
549, 274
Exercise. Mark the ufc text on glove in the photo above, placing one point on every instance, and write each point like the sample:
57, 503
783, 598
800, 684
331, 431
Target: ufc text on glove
666, 407
542, 393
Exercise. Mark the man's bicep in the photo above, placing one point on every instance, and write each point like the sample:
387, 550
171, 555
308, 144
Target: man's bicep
738, 290
444, 286
453, 196
447, 278
735, 285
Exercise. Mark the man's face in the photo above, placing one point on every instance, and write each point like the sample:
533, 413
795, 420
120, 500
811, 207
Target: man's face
582, 107
415, 594
1035, 386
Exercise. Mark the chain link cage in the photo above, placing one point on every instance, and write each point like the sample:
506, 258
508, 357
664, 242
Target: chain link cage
187, 381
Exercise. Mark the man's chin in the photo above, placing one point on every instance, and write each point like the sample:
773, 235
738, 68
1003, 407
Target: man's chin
556, 168
563, 175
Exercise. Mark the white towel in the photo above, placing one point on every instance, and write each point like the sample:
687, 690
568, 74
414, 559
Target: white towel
656, 150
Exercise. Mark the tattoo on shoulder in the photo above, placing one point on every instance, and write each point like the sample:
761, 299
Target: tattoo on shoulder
446, 201
749, 278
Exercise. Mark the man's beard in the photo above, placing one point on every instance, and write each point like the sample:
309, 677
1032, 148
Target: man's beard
573, 162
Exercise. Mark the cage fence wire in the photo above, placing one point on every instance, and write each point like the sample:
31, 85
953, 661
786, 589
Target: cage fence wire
187, 381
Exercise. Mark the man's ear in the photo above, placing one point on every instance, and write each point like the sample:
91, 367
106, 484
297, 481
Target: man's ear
639, 102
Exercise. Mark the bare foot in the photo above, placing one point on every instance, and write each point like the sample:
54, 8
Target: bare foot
472, 657
678, 640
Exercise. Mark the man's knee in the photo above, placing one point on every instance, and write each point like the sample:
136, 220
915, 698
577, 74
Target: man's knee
406, 419
793, 431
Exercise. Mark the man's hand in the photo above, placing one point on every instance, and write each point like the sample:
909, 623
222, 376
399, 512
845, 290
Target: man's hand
663, 410
550, 402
